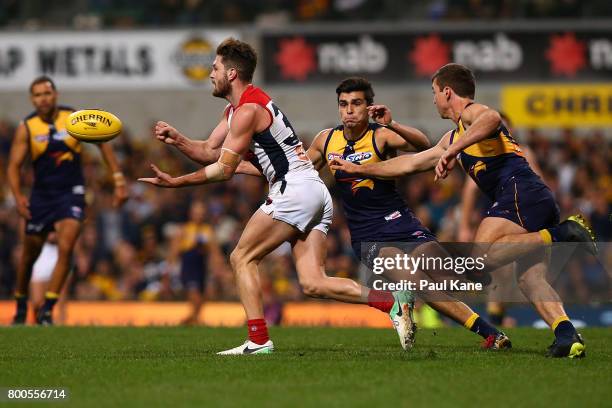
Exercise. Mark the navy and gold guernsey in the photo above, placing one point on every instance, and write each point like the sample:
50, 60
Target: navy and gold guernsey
58, 190
499, 168
194, 254
374, 210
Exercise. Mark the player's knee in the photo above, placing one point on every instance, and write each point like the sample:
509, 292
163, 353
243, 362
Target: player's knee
530, 279
239, 258
313, 288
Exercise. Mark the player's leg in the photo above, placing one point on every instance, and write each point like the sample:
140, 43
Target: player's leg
67, 231
533, 281
261, 236
32, 247
310, 251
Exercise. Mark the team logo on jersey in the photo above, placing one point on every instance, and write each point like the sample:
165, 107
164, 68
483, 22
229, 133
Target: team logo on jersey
359, 157
61, 157
479, 166
361, 183
332, 156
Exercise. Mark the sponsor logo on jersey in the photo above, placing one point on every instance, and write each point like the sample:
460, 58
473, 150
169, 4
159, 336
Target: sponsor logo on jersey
394, 215
359, 156
332, 156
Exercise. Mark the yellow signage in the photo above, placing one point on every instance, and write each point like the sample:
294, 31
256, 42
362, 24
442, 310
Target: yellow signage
558, 105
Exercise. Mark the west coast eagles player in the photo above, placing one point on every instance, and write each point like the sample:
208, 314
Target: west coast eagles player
374, 209
523, 211
57, 199
298, 209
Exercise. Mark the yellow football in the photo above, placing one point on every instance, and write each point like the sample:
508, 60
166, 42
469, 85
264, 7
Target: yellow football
93, 125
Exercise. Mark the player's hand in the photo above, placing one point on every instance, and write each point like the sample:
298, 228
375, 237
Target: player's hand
23, 206
120, 195
343, 165
161, 179
446, 164
381, 114
167, 133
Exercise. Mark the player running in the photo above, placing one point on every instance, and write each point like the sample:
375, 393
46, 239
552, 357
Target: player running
57, 200
298, 208
374, 209
523, 210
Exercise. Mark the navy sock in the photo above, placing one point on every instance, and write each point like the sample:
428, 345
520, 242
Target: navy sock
483, 328
48, 305
22, 304
558, 233
565, 330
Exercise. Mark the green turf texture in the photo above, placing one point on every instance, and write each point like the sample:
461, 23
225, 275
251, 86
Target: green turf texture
312, 367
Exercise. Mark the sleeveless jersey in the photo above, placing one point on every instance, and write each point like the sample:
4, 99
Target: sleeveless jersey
494, 160
368, 202
277, 150
56, 156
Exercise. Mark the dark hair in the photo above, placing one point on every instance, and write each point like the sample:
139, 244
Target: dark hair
354, 84
240, 56
458, 77
40, 80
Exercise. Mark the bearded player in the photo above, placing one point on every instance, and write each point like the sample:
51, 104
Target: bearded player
375, 212
57, 200
523, 211
298, 208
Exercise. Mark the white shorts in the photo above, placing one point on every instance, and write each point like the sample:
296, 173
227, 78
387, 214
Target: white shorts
304, 203
43, 267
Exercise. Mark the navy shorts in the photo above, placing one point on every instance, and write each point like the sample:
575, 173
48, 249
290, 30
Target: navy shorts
401, 232
193, 269
528, 203
46, 210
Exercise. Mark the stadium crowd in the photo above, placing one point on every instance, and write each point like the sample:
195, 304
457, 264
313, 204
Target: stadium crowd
128, 253
96, 14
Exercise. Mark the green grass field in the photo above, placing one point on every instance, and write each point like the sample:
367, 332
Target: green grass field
320, 367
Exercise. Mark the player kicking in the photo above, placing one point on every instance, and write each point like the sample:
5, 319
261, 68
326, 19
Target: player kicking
298, 209
57, 200
523, 210
374, 209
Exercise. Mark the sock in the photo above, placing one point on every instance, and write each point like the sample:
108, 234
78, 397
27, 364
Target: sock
558, 233
22, 304
50, 301
563, 328
480, 326
381, 300
258, 331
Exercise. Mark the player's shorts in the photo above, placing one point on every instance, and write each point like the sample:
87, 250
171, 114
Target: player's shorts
46, 210
402, 230
528, 203
43, 267
193, 269
301, 200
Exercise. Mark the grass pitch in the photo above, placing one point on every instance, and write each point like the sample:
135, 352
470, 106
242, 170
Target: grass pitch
320, 367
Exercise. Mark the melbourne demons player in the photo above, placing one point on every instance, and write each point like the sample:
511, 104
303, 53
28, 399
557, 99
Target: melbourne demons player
523, 218
298, 209
57, 200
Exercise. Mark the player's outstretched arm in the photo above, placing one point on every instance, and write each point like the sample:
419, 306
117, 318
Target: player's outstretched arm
120, 194
397, 166
18, 154
244, 124
201, 151
248, 168
402, 137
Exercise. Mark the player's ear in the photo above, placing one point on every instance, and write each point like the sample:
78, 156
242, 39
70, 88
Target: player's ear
232, 74
447, 92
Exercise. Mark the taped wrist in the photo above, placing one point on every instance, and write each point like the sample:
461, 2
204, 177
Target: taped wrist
223, 168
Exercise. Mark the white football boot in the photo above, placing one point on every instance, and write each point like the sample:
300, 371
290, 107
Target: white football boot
401, 317
248, 347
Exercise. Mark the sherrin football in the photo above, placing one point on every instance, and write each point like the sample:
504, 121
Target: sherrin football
93, 125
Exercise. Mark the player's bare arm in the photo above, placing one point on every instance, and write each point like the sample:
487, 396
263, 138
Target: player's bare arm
18, 154
397, 166
246, 121
201, 151
120, 194
480, 121
316, 150
395, 135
